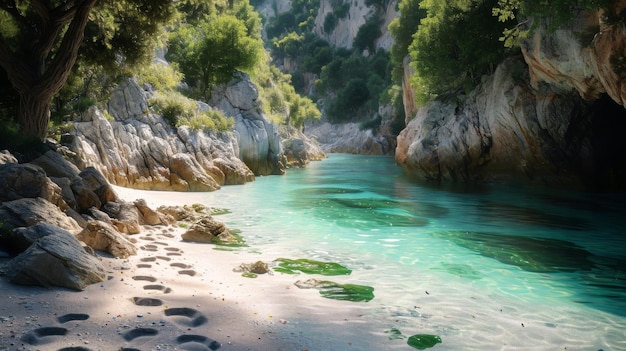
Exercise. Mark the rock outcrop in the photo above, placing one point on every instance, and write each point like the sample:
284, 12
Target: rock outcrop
299, 149
350, 138
258, 139
543, 119
104, 237
138, 149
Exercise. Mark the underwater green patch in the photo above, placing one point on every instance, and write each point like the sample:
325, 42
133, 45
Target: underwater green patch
538, 255
249, 275
307, 266
346, 292
423, 341
395, 334
461, 270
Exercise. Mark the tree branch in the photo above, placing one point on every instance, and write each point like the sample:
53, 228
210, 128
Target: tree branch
56, 75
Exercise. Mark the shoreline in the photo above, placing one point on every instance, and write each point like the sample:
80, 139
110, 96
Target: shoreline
177, 295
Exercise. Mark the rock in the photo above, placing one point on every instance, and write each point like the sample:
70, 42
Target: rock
66, 190
27, 212
85, 197
149, 216
258, 139
56, 259
349, 138
94, 214
299, 149
28, 181
98, 184
178, 213
124, 216
140, 150
258, 267
104, 237
56, 166
503, 131
207, 230
7, 157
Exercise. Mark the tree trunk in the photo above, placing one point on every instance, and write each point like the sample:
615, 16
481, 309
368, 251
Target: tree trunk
33, 114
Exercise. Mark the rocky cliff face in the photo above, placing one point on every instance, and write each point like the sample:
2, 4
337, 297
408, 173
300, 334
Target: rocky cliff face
346, 30
543, 119
138, 149
349, 138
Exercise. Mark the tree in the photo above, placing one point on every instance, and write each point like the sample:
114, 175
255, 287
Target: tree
40, 42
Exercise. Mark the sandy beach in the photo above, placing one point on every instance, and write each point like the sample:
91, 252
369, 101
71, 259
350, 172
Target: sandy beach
176, 295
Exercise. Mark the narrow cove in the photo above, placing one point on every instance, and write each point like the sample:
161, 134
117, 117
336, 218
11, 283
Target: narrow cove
487, 268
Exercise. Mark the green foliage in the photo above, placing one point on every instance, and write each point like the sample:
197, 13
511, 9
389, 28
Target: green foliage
210, 52
557, 13
456, 43
179, 110
279, 100
173, 106
212, 120
330, 22
159, 76
366, 36
402, 30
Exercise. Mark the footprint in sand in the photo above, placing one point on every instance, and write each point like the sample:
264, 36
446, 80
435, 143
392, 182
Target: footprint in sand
138, 333
189, 272
161, 243
189, 316
174, 254
170, 236
197, 342
149, 247
43, 335
75, 348
147, 301
164, 258
159, 287
144, 265
147, 238
145, 278
148, 259
72, 317
180, 265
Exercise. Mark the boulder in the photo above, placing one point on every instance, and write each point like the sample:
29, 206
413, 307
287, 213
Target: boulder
28, 181
349, 138
148, 215
55, 165
56, 259
104, 237
124, 216
85, 197
207, 230
27, 212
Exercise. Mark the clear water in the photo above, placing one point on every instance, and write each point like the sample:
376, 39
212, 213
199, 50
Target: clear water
497, 267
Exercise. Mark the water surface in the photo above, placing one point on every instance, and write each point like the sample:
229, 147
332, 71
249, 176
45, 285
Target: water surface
497, 266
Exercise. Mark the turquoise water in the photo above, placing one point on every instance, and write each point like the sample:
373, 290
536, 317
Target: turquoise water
470, 265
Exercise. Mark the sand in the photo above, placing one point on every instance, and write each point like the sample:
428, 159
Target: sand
176, 295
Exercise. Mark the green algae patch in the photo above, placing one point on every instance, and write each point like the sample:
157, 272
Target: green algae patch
249, 275
395, 334
289, 266
346, 292
423, 341
233, 239
336, 291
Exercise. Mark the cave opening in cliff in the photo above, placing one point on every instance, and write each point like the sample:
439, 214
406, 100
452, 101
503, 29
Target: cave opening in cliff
609, 144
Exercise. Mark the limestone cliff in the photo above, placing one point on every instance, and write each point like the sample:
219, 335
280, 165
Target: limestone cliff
138, 149
349, 138
544, 118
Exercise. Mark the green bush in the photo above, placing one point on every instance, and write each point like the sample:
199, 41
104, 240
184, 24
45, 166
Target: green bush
212, 120
172, 106
159, 76
330, 22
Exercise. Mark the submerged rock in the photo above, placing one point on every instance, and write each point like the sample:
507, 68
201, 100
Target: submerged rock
289, 266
